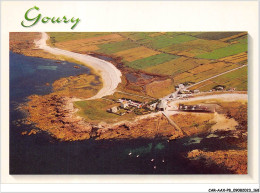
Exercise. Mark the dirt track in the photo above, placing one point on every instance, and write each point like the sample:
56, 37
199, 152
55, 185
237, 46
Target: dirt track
215, 76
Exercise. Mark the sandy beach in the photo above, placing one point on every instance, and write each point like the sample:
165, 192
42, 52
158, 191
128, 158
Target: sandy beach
110, 75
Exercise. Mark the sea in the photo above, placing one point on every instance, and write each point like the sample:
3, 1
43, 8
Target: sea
42, 154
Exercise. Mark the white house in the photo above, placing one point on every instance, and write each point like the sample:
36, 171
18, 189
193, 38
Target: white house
152, 107
114, 109
124, 104
162, 105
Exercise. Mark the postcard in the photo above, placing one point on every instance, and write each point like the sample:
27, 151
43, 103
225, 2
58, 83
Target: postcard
129, 92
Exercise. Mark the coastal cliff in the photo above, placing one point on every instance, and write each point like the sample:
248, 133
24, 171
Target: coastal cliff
233, 160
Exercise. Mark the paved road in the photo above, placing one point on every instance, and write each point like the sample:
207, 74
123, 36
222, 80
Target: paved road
166, 97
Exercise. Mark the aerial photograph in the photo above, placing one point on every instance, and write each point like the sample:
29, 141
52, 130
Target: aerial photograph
128, 103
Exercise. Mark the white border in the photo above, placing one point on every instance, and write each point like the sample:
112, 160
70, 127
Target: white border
138, 16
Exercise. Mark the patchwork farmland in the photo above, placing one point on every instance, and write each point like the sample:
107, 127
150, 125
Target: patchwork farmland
178, 57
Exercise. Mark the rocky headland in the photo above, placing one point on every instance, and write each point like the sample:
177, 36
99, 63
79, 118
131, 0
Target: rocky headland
56, 114
234, 160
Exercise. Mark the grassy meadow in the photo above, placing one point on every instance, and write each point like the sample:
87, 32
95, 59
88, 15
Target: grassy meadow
96, 110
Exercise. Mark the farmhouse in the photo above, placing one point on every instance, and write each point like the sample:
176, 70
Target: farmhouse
152, 107
181, 86
113, 109
124, 104
162, 105
197, 108
173, 95
232, 89
184, 92
219, 87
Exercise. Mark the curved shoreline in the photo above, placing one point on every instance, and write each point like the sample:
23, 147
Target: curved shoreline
110, 75
56, 115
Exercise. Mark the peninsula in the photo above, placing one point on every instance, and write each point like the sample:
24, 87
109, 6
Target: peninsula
151, 85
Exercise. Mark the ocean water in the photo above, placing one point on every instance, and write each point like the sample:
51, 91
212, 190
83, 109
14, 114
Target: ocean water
41, 154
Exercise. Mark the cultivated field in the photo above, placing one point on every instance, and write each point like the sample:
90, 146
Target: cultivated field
150, 61
236, 79
226, 51
180, 56
135, 54
238, 58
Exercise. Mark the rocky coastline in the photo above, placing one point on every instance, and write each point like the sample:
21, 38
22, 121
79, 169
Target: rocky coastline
55, 114
233, 160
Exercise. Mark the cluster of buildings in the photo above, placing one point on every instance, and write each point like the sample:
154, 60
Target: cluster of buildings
197, 108
221, 88
182, 92
162, 105
113, 109
181, 89
128, 106
125, 104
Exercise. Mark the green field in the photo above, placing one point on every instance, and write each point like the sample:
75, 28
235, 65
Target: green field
237, 79
193, 33
136, 35
196, 46
119, 95
150, 61
116, 47
159, 41
174, 67
241, 39
95, 110
216, 35
67, 36
164, 41
206, 74
224, 52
